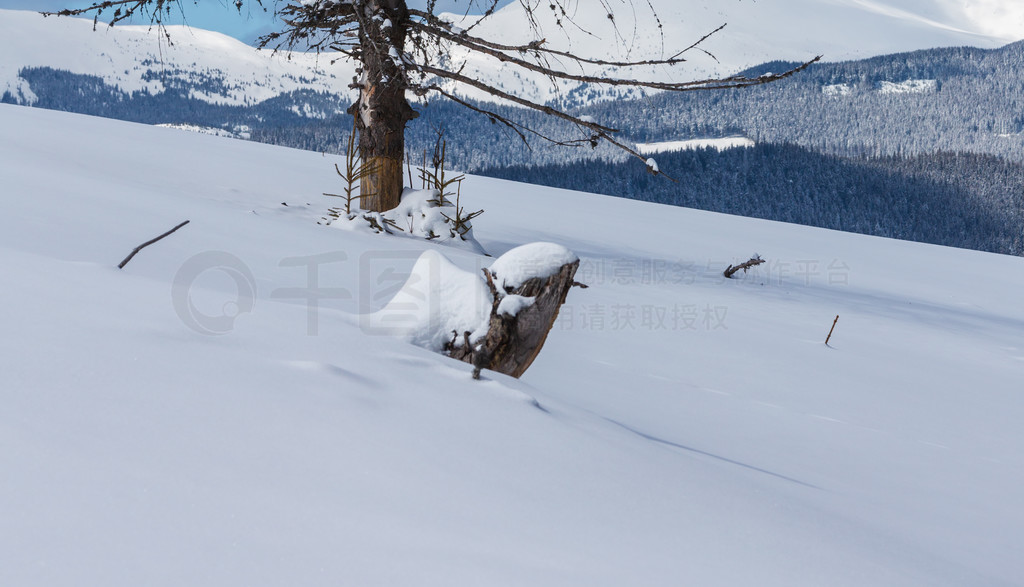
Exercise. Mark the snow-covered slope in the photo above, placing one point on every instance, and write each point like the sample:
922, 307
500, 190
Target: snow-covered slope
137, 58
678, 428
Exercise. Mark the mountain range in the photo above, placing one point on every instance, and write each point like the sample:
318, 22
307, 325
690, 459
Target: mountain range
753, 33
136, 58
211, 67
925, 145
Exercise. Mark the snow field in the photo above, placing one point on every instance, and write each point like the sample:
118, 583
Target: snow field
721, 445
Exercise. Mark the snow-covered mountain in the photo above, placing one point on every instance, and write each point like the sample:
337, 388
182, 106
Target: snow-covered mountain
140, 59
678, 428
136, 58
910, 104
756, 32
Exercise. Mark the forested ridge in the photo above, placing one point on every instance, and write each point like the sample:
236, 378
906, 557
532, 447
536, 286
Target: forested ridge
924, 146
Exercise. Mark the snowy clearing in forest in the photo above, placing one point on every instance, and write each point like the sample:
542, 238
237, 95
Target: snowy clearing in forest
719, 144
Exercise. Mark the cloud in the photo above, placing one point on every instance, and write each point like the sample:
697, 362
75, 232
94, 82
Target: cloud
1000, 18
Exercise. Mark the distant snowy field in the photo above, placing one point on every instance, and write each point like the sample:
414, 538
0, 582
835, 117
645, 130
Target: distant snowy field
678, 428
719, 144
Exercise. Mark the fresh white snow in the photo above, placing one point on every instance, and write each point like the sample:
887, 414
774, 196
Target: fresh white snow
420, 214
437, 301
719, 144
677, 428
529, 261
236, 133
910, 86
511, 304
837, 90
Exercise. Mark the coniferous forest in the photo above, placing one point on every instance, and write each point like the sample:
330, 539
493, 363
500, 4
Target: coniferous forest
925, 146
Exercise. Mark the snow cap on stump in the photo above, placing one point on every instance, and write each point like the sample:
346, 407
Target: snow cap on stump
528, 261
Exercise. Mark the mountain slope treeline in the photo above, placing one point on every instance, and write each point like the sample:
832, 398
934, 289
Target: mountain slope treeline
955, 99
956, 199
922, 146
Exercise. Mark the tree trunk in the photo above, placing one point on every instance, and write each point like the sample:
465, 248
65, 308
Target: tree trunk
513, 342
382, 110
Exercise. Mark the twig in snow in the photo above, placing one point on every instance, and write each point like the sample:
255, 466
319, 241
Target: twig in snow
753, 262
827, 338
147, 243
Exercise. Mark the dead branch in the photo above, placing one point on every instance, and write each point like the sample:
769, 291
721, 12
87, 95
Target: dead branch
829, 337
147, 243
440, 28
753, 262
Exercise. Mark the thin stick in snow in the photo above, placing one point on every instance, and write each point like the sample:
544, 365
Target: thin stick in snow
831, 329
147, 243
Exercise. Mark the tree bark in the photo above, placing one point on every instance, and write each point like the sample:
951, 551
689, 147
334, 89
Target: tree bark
382, 110
513, 342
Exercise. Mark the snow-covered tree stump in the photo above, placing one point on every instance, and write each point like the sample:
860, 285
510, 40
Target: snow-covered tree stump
521, 317
497, 321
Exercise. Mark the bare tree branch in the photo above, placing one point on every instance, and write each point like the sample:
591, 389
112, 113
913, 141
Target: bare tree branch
434, 25
457, 77
735, 81
402, 50
521, 130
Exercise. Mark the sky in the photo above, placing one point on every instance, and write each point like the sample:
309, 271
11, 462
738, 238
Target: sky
216, 15
1001, 18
